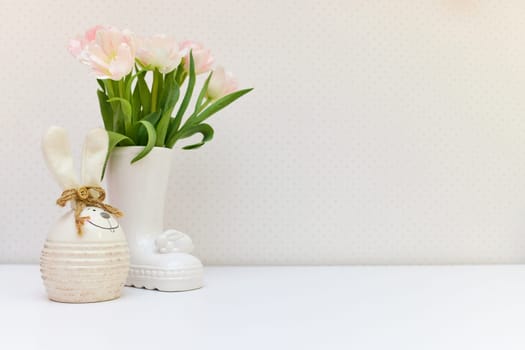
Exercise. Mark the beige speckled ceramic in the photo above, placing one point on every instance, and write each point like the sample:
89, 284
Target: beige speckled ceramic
84, 273
85, 268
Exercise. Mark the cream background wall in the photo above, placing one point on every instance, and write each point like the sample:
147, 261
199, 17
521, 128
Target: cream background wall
378, 131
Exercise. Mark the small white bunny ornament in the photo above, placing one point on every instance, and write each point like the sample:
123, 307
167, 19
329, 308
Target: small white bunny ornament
85, 257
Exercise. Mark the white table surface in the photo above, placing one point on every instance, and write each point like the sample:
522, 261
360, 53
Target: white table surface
461, 307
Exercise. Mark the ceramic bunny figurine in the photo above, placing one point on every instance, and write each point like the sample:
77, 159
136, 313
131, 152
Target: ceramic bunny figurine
85, 257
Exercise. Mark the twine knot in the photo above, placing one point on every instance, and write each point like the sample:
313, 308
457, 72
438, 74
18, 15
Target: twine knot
86, 196
82, 193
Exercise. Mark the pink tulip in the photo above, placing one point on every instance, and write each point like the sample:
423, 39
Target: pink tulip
159, 51
221, 84
77, 45
109, 51
202, 57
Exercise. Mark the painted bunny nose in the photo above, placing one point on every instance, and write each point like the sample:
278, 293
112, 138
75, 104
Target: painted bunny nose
104, 215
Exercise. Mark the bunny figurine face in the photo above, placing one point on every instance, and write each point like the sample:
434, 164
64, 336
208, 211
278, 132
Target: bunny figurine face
97, 228
100, 219
101, 225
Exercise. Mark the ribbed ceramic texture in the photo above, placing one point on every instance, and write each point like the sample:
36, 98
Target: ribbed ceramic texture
84, 272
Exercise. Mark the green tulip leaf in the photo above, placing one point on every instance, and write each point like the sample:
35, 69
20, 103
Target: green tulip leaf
135, 104
114, 139
105, 110
171, 95
187, 96
152, 136
204, 129
215, 107
126, 110
124, 104
129, 80
145, 94
204, 89
169, 80
101, 84
153, 118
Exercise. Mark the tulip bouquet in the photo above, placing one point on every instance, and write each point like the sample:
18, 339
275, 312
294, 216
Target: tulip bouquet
139, 113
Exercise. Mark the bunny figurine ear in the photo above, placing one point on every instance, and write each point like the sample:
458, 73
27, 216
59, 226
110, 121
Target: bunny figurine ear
57, 154
94, 156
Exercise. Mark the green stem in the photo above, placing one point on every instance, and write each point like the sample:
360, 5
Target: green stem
181, 77
121, 88
109, 88
116, 88
108, 83
178, 72
155, 90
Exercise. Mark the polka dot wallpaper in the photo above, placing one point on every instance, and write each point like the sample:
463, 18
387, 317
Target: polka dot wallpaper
379, 132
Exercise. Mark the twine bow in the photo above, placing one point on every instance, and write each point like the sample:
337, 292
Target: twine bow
86, 196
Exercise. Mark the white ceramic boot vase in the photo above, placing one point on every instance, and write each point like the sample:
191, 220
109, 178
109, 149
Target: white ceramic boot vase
160, 258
